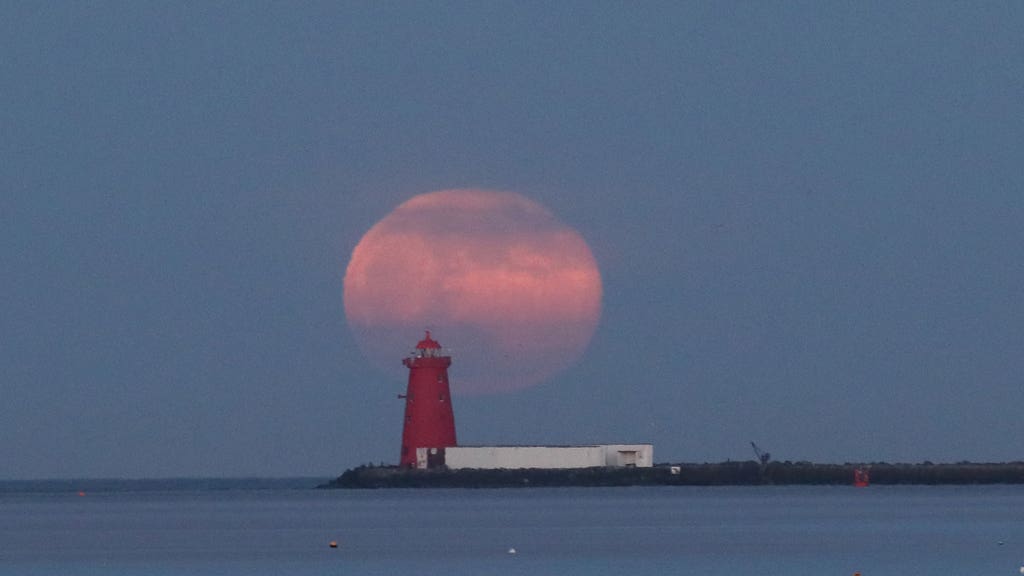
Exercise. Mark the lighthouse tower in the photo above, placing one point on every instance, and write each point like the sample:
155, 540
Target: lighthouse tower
429, 420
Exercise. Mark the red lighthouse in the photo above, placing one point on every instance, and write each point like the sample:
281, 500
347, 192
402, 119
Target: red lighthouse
429, 420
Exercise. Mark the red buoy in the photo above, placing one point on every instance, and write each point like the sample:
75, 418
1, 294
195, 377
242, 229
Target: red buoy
429, 419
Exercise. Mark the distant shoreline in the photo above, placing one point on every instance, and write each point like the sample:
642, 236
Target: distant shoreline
747, 473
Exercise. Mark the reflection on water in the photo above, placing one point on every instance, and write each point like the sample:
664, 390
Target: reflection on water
727, 530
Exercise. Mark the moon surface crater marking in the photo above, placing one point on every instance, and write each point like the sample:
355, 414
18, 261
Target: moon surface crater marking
511, 291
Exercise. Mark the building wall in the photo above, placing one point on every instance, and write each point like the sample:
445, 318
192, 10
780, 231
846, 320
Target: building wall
489, 457
639, 455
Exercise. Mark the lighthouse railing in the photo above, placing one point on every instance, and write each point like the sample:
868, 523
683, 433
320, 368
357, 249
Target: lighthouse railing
430, 353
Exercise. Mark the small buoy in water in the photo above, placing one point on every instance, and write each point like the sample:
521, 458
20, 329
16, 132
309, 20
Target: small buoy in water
81, 493
333, 544
1022, 569
511, 550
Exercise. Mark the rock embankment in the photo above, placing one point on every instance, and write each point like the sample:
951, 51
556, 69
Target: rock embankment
748, 473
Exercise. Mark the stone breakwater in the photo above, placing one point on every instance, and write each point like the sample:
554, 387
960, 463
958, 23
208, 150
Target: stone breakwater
748, 473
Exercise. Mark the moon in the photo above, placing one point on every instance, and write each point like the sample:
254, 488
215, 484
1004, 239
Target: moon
513, 293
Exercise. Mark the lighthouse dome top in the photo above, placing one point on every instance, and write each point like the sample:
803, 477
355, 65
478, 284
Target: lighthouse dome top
428, 343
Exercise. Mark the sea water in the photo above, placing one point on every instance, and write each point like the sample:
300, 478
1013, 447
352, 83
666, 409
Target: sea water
225, 529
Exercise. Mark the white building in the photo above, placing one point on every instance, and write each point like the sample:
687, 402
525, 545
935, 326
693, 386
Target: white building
496, 457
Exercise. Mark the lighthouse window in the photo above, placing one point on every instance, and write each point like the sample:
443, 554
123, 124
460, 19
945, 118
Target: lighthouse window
440, 397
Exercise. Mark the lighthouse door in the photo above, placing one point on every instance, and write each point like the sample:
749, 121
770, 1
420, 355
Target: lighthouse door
435, 458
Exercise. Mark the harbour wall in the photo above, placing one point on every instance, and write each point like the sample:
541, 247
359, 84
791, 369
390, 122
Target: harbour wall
730, 473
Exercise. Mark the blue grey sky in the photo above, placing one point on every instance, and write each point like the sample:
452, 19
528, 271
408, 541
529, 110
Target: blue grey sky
808, 218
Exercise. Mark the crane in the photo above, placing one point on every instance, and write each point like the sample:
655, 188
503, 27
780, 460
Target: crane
762, 457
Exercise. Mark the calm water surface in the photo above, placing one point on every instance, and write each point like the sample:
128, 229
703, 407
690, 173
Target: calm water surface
733, 530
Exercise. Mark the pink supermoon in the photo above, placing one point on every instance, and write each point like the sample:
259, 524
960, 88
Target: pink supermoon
513, 293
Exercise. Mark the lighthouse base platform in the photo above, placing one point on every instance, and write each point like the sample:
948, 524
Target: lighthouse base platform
747, 473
